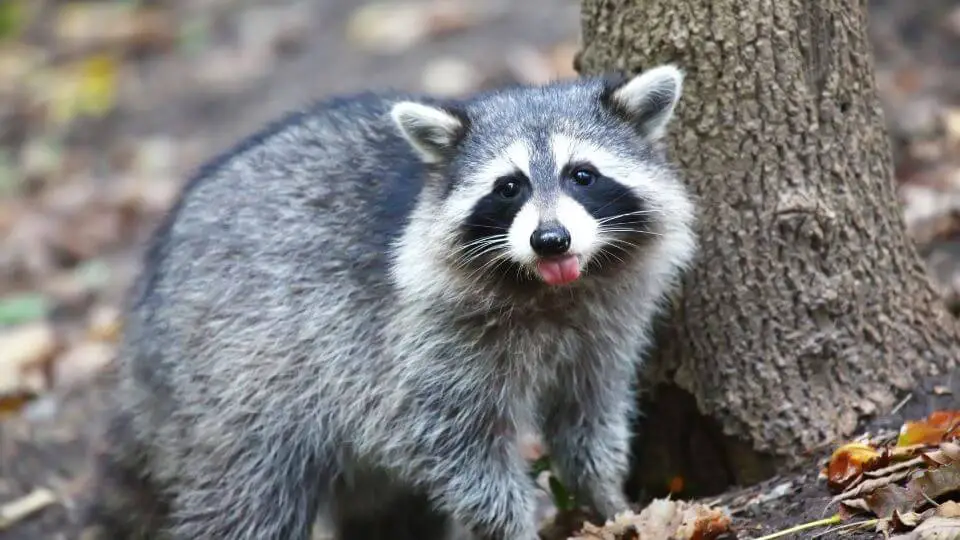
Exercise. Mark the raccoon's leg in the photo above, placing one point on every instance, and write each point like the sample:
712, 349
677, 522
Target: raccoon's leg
479, 479
125, 504
406, 516
247, 488
587, 432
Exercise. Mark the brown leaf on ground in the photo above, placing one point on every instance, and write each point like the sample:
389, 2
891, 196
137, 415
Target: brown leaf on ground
948, 452
104, 323
889, 500
871, 485
81, 364
661, 519
25, 352
934, 528
101, 24
848, 463
951, 124
949, 509
910, 463
937, 427
936, 482
904, 521
395, 26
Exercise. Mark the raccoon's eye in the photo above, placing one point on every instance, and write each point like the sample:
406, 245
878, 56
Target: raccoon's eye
584, 176
508, 189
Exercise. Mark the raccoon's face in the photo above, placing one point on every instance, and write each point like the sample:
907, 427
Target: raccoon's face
551, 184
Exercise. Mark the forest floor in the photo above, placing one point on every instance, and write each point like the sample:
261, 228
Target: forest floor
107, 107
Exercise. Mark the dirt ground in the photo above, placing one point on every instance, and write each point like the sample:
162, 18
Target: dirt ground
107, 107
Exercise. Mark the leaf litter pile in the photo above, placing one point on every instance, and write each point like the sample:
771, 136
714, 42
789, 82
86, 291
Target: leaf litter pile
662, 519
903, 485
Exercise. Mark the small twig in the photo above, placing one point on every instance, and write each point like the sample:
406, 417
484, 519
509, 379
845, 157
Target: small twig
869, 485
819, 523
19, 509
856, 525
929, 500
895, 467
900, 405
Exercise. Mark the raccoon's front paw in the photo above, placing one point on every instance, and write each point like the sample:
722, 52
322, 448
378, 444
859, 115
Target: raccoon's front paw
608, 504
505, 523
519, 533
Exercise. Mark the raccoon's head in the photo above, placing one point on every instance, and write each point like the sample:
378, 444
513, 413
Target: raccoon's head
550, 185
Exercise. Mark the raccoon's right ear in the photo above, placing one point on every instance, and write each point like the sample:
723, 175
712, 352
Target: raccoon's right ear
432, 131
646, 100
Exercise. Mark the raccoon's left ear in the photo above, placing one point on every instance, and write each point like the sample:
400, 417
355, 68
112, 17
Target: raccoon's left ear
647, 100
432, 131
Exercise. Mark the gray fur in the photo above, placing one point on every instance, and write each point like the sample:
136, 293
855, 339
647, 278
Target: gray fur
299, 345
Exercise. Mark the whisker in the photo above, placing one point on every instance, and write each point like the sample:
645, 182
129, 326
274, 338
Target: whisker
491, 238
494, 227
622, 223
495, 261
478, 249
619, 242
615, 199
628, 230
481, 243
625, 214
466, 261
631, 216
611, 255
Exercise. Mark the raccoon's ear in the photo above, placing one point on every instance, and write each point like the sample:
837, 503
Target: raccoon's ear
647, 100
431, 130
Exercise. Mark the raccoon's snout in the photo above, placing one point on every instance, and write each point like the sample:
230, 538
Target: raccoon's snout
550, 240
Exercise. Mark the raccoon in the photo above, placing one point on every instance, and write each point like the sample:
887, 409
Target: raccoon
350, 317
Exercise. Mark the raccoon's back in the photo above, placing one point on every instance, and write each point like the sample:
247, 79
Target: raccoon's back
281, 244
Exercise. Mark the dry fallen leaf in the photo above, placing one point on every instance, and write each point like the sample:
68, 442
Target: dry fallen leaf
947, 453
17, 61
449, 77
14, 403
905, 520
394, 26
949, 509
662, 518
937, 427
869, 486
849, 462
81, 364
24, 352
19, 509
105, 323
923, 486
82, 25
951, 124
934, 528
889, 500
933, 483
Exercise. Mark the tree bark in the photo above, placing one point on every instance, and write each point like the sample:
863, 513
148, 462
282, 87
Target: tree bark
809, 308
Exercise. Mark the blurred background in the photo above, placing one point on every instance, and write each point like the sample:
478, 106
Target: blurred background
106, 107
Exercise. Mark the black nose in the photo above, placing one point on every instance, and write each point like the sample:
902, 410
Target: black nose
550, 240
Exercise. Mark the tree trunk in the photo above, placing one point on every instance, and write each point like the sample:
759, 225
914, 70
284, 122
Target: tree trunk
809, 308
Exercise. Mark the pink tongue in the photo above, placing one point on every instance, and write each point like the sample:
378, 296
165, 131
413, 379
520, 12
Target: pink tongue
559, 271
